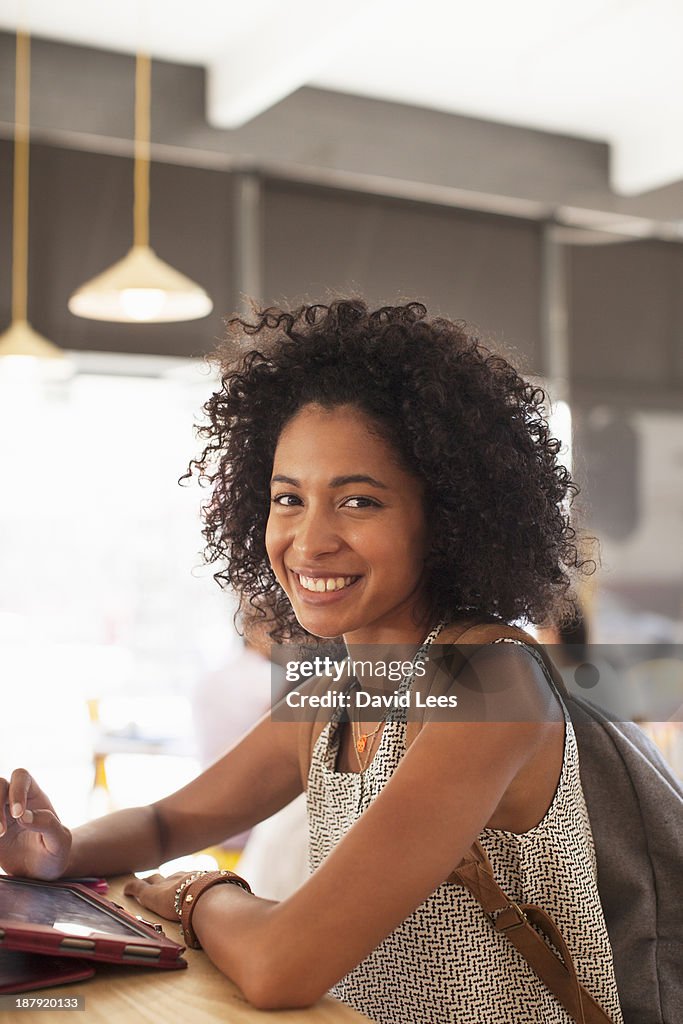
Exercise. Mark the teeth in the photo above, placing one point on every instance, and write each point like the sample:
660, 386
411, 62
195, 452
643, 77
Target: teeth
320, 586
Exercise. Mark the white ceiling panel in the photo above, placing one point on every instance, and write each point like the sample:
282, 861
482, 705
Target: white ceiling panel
599, 69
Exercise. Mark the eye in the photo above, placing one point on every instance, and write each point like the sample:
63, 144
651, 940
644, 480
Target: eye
360, 501
286, 500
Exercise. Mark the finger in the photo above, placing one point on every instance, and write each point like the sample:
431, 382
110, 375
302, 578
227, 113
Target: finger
147, 881
176, 878
135, 887
19, 786
146, 895
156, 896
131, 888
46, 822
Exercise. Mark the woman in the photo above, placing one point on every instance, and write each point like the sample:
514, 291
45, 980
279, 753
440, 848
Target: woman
380, 476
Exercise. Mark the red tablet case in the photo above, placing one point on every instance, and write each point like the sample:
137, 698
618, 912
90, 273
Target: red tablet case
24, 972
147, 946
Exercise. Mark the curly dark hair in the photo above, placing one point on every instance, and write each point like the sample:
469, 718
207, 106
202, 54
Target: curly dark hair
460, 418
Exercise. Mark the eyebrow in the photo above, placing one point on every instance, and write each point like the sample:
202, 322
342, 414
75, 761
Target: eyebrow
337, 481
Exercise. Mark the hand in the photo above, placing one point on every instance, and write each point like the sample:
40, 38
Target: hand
157, 893
33, 841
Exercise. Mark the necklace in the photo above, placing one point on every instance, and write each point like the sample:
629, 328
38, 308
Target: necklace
364, 741
361, 742
363, 737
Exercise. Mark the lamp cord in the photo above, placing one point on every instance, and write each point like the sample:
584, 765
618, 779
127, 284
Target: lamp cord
143, 77
22, 105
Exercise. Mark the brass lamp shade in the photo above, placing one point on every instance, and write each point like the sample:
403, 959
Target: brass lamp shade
21, 340
143, 288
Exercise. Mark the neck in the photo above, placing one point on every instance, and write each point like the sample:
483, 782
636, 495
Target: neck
407, 628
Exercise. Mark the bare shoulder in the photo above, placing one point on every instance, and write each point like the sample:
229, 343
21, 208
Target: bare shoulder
505, 702
477, 629
496, 672
452, 631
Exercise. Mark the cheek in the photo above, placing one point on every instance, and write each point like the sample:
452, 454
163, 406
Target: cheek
415, 547
399, 550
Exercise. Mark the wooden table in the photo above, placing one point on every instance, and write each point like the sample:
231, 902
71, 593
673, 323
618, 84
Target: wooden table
198, 995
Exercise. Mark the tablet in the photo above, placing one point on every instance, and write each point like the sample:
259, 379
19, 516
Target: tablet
68, 919
23, 972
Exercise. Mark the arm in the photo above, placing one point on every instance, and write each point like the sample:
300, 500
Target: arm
261, 773
443, 793
252, 781
127, 840
258, 777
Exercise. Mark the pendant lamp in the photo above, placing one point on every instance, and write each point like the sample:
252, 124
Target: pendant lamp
20, 339
141, 288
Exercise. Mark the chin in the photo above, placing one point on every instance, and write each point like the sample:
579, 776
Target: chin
322, 630
325, 627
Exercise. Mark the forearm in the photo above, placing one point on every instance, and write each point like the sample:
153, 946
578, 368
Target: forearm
227, 798
128, 840
242, 935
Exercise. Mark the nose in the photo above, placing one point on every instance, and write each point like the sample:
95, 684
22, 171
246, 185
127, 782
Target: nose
315, 534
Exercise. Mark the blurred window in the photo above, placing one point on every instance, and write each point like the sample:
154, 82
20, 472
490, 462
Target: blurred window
102, 588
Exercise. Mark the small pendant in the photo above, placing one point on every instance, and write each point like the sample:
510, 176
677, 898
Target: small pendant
361, 743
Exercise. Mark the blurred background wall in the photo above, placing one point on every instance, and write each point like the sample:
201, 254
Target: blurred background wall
560, 252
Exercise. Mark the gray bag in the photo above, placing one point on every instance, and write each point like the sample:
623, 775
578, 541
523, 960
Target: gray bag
635, 806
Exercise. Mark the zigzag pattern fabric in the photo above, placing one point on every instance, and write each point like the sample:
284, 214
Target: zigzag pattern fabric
446, 963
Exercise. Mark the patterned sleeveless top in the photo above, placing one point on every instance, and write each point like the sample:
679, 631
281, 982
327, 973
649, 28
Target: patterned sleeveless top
446, 964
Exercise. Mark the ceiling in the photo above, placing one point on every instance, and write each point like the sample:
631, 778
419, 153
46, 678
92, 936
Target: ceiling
607, 70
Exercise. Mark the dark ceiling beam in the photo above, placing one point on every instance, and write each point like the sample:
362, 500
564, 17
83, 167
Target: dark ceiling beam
83, 98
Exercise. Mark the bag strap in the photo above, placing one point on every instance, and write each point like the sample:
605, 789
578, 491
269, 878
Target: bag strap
526, 925
468, 643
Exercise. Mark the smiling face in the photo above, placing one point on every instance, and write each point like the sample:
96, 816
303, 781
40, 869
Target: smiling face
346, 535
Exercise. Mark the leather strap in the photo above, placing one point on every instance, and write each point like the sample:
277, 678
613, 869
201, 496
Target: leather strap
525, 925
191, 894
468, 642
